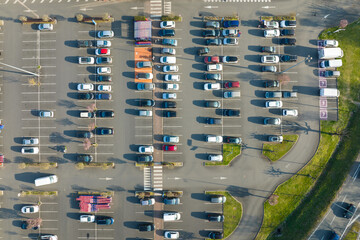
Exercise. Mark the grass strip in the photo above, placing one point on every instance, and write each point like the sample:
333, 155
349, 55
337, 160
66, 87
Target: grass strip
232, 210
353, 233
275, 151
230, 151
297, 189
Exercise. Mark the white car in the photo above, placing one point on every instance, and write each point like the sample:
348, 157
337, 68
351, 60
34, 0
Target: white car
171, 68
147, 201
171, 235
48, 237
103, 43
105, 34
273, 104
170, 51
146, 149
104, 88
30, 150
30, 209
215, 157
85, 87
214, 139
171, 139
103, 70
46, 26
211, 86
102, 51
172, 77
214, 67
87, 218
30, 141
270, 59
290, 112
331, 43
168, 60
145, 113
86, 60
271, 24
172, 86
167, 24
169, 95
271, 33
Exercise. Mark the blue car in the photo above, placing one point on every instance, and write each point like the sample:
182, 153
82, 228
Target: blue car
169, 42
102, 220
232, 23
102, 96
167, 33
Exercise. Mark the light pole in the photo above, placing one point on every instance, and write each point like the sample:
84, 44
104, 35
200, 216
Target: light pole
308, 59
20, 69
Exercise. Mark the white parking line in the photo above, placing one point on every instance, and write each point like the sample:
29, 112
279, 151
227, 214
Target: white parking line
42, 84
33, 58
38, 92
48, 49
105, 153
38, 127
172, 126
149, 135
143, 126
38, 101
40, 41
171, 153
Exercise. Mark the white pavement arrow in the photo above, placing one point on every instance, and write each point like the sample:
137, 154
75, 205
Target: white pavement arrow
137, 8
267, 7
106, 178
221, 178
86, 9
211, 6
175, 178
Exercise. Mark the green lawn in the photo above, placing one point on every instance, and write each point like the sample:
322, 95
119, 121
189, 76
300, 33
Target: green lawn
305, 197
232, 212
275, 151
353, 232
230, 151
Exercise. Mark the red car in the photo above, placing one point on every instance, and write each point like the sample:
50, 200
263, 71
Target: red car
212, 59
231, 84
171, 148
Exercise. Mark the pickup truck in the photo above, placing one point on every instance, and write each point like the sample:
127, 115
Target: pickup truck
288, 58
84, 43
289, 94
87, 114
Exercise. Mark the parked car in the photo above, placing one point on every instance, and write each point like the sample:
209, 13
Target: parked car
102, 51
273, 104
86, 60
170, 68
288, 58
146, 103
103, 70
287, 32
203, 51
104, 131
145, 113
103, 96
47, 237
169, 104
169, 51
268, 68
270, 59
46, 27
46, 114
30, 141
172, 201
211, 59
147, 201
169, 148
215, 217
212, 76
212, 24
104, 88
103, 220
214, 139
145, 86
330, 43
30, 209
146, 227
215, 157
103, 60
270, 24
172, 77
272, 121
268, 49
349, 210
169, 42
103, 78
103, 43
290, 112
286, 23
145, 158
211, 86
230, 41
85, 87
271, 84
213, 41
171, 235
212, 104
275, 138
168, 60
172, 86
167, 24
84, 134
167, 33
144, 64
230, 32
210, 33
144, 76
271, 33
229, 59
146, 149
216, 235
169, 114
231, 23
214, 67
213, 120
330, 73
232, 84
276, 94
84, 43
287, 41
288, 94
87, 218
217, 199
105, 34
171, 139
84, 158
232, 94
231, 112
234, 140
169, 95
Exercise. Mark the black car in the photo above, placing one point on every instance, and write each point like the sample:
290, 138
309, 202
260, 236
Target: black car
146, 227
102, 60
84, 158
231, 23
146, 103
287, 41
104, 131
145, 158
212, 76
169, 114
105, 113
169, 104
103, 220
103, 96
214, 41
215, 217
213, 120
103, 78
203, 51
271, 84
212, 104
349, 211
288, 58
287, 32
231, 112
216, 235
230, 59
84, 43
167, 33
268, 49
25, 225
235, 140
210, 33
85, 96
84, 134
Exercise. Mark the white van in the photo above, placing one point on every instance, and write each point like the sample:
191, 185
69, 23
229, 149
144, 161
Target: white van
46, 180
168, 60
329, 92
330, 53
334, 63
171, 216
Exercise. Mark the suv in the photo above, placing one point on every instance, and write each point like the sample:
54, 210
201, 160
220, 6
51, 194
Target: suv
212, 25
217, 199
211, 33
213, 120
268, 68
146, 227
213, 41
271, 84
287, 32
170, 51
214, 139
231, 23
169, 42
287, 41
144, 64
167, 33
285, 23
215, 217
272, 94
171, 201
268, 49
147, 201
84, 43
169, 104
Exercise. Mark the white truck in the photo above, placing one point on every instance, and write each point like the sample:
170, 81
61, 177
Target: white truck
330, 53
329, 92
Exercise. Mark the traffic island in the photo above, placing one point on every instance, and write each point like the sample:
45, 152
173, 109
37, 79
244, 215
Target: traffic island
42, 166
232, 210
275, 151
103, 165
87, 19
230, 151
38, 193
171, 18
353, 233
44, 19
164, 164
